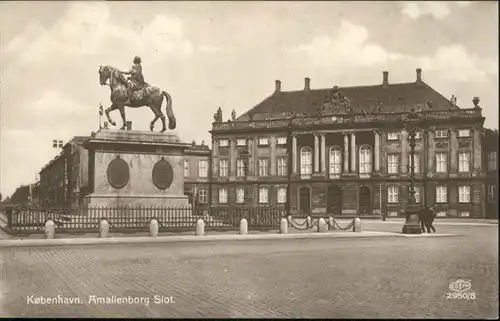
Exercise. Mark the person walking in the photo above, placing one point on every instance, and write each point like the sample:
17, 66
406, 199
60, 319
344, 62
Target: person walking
431, 215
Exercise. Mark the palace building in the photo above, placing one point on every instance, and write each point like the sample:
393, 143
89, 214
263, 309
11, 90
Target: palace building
344, 151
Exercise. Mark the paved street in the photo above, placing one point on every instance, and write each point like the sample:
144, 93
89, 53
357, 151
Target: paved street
387, 277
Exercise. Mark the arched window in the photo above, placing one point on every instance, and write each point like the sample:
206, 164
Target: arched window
365, 159
335, 160
306, 161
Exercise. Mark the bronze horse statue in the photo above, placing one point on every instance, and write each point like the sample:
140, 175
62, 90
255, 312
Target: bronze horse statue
151, 96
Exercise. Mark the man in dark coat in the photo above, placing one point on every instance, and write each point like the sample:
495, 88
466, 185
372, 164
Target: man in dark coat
427, 215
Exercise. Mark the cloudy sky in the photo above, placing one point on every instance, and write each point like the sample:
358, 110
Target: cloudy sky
210, 54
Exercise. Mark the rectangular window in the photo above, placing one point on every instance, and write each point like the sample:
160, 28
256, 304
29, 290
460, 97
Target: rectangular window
223, 167
393, 136
464, 214
441, 162
441, 194
240, 168
464, 194
186, 168
417, 193
203, 168
203, 195
223, 195
392, 163
463, 162
441, 214
263, 141
464, 133
417, 163
263, 195
263, 167
441, 133
241, 142
281, 195
491, 192
392, 214
281, 140
282, 166
492, 161
223, 143
393, 194
240, 195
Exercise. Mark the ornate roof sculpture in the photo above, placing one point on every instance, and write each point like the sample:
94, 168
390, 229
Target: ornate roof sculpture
335, 103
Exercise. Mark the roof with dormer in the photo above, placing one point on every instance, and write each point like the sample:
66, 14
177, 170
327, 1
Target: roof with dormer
400, 97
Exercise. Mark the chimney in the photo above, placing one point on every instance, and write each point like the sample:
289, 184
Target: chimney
278, 86
385, 82
419, 75
307, 83
129, 125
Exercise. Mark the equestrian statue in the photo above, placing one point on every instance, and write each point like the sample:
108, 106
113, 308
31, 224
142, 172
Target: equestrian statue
134, 92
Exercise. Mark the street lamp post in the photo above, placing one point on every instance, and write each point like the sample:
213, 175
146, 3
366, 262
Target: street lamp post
412, 218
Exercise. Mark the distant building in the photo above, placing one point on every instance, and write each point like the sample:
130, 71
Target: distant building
345, 151
197, 174
64, 180
490, 147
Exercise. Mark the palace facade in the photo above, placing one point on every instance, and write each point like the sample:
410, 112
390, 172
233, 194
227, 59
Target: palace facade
344, 151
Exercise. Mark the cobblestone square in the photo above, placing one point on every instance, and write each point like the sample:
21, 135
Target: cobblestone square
386, 277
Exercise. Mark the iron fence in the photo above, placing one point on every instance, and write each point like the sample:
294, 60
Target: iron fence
30, 220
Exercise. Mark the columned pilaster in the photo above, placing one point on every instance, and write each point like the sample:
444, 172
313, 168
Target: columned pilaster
251, 141
346, 153
294, 154
377, 151
232, 158
323, 153
272, 141
353, 152
215, 158
316, 153
431, 147
477, 150
404, 151
453, 150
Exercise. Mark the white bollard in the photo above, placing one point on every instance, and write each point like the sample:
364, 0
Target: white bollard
243, 226
103, 229
200, 227
283, 226
50, 229
332, 223
357, 225
309, 222
153, 228
322, 227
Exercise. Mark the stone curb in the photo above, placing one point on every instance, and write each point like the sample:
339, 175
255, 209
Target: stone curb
205, 238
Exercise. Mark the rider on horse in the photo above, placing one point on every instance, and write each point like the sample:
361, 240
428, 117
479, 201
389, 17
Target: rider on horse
136, 79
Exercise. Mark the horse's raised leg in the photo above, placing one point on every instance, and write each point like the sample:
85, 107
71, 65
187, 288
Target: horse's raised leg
157, 112
111, 108
122, 113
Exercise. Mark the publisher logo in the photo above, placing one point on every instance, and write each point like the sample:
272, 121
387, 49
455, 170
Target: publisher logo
460, 286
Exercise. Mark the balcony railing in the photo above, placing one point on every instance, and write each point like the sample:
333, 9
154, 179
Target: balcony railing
344, 119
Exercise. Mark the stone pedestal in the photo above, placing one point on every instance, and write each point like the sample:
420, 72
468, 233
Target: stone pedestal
136, 168
411, 226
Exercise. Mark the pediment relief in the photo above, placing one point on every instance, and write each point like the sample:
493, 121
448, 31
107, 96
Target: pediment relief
335, 103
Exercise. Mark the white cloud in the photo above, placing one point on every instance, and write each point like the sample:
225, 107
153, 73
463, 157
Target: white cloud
350, 48
86, 29
438, 10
